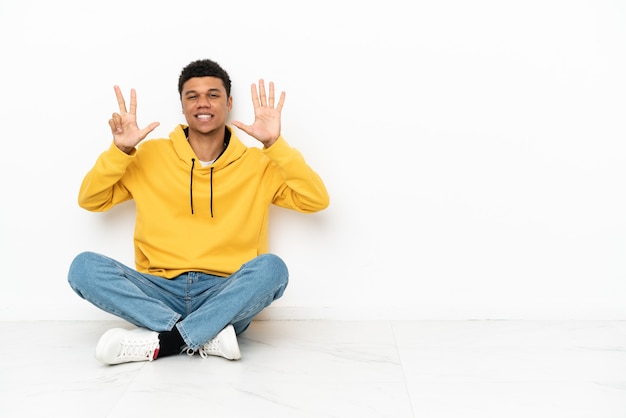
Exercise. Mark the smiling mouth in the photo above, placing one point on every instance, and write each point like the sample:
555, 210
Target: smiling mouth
204, 117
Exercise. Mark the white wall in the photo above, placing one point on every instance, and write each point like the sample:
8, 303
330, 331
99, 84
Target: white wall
474, 150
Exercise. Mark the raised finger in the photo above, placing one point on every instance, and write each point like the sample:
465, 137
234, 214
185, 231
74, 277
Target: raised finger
255, 96
271, 102
120, 99
281, 101
133, 102
262, 92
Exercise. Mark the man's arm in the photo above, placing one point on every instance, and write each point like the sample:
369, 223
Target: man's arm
301, 187
101, 188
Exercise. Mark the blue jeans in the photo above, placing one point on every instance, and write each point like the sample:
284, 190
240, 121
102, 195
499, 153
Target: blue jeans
200, 305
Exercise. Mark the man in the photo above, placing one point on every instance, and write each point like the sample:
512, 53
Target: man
202, 267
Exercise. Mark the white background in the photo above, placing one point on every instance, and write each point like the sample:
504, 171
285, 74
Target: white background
474, 150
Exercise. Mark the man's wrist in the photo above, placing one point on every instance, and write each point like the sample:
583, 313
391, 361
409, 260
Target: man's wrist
125, 150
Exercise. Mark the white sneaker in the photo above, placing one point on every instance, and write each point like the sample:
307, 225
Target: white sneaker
224, 345
119, 345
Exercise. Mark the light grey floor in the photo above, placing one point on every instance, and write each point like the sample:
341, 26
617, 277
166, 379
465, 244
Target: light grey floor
317, 369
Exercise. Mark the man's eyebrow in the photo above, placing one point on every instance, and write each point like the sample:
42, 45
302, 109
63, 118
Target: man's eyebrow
211, 90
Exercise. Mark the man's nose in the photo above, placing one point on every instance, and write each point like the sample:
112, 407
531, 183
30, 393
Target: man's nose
204, 101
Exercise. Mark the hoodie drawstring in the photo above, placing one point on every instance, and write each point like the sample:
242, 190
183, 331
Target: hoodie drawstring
211, 192
193, 163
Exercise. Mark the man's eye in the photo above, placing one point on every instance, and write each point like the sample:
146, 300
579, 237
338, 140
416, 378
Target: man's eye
214, 95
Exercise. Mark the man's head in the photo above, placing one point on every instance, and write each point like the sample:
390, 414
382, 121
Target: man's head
203, 68
204, 89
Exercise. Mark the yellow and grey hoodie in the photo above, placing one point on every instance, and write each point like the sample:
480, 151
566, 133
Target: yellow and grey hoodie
192, 218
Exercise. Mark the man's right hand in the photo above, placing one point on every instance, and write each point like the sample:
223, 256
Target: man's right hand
126, 133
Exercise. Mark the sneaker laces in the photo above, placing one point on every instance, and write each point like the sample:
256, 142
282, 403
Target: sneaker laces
224, 344
211, 348
139, 349
208, 349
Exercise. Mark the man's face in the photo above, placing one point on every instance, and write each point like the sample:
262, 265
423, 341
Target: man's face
205, 104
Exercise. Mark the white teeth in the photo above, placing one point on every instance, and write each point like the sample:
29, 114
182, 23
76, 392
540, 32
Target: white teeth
203, 116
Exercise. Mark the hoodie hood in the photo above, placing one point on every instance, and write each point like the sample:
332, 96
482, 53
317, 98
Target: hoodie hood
233, 150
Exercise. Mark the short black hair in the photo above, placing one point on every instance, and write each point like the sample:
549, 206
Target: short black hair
203, 68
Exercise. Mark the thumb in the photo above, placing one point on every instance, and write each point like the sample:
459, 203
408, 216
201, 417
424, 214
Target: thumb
246, 128
145, 131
